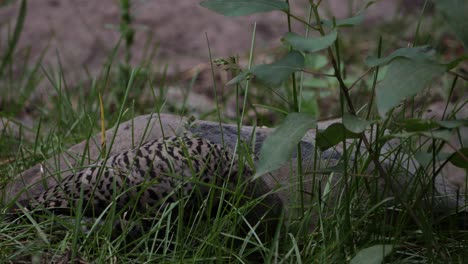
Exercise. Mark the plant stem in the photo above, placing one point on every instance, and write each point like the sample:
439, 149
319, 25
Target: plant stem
374, 155
299, 150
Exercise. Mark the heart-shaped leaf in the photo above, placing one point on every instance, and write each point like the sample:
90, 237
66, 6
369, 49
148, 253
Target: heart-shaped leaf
441, 134
404, 78
425, 158
372, 255
278, 147
414, 124
275, 73
452, 123
332, 135
244, 7
346, 22
355, 124
310, 44
460, 158
421, 53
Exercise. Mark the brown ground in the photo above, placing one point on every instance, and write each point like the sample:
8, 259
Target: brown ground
83, 33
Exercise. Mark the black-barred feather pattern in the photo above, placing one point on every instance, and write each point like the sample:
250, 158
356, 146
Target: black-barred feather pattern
153, 175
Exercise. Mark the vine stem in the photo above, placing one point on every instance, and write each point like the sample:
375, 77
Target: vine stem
299, 149
374, 156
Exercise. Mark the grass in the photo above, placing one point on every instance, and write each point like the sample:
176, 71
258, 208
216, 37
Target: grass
339, 216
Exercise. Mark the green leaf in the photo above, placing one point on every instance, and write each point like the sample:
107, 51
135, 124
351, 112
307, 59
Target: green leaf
312, 44
316, 83
424, 158
442, 134
372, 255
404, 78
315, 61
421, 53
274, 74
16, 36
414, 124
452, 123
355, 124
340, 167
346, 22
279, 145
309, 103
239, 78
460, 158
454, 12
332, 135
244, 7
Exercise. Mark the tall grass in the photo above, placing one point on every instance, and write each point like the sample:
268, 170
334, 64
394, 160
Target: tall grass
334, 218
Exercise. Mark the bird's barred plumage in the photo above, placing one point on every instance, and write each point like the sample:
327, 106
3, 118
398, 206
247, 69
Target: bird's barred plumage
152, 175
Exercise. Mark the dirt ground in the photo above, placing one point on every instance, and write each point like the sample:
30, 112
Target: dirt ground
83, 33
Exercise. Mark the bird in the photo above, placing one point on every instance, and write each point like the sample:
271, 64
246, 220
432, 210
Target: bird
184, 171
146, 178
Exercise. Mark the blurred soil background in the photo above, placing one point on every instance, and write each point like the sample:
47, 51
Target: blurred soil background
77, 38
71, 43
